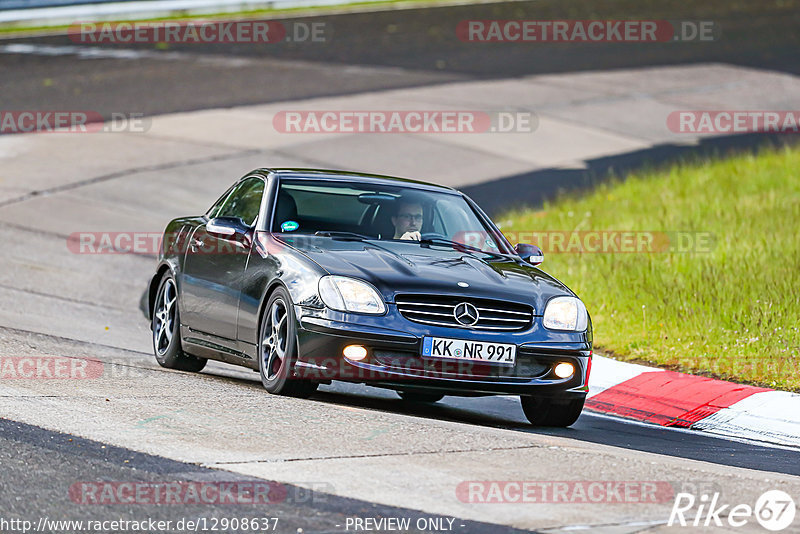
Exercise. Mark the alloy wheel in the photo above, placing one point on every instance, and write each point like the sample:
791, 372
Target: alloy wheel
274, 342
164, 324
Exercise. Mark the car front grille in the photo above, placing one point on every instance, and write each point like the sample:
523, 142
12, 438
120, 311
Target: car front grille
440, 311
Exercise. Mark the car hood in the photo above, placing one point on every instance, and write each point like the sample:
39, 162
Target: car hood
397, 268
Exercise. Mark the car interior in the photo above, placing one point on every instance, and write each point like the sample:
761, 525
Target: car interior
367, 214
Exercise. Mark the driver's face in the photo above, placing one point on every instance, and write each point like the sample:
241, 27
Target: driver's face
408, 219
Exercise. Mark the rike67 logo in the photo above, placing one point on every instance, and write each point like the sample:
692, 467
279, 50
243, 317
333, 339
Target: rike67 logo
774, 510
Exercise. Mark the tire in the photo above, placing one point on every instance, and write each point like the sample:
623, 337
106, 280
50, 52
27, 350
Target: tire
420, 396
165, 325
277, 348
552, 412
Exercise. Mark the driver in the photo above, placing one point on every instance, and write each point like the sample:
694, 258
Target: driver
407, 220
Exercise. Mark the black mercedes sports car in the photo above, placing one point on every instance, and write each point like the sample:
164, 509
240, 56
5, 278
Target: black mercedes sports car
309, 276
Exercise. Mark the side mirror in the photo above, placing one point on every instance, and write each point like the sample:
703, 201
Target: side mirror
530, 253
227, 227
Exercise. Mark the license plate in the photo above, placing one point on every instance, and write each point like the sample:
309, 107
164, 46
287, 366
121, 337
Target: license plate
461, 349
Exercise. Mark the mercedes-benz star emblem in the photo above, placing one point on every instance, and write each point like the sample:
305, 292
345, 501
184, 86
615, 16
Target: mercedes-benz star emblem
466, 314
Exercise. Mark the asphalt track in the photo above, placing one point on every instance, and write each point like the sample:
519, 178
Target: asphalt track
39, 467
384, 50
372, 450
33, 489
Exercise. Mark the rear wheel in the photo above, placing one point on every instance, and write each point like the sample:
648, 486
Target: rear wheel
277, 350
543, 411
165, 325
420, 396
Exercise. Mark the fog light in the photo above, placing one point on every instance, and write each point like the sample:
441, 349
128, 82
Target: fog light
564, 370
355, 353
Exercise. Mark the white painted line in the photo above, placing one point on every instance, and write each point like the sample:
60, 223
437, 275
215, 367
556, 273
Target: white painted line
149, 9
692, 431
573, 528
768, 416
84, 52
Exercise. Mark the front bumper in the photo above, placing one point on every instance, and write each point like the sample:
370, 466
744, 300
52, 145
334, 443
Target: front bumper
394, 357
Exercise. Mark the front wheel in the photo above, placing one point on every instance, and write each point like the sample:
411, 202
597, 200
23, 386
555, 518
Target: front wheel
543, 411
277, 350
165, 325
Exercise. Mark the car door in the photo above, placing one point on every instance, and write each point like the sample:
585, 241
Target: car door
214, 264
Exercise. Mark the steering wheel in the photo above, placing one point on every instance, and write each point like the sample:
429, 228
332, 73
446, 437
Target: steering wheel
433, 235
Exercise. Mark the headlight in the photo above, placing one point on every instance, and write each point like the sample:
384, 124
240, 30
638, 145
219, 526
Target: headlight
566, 313
350, 295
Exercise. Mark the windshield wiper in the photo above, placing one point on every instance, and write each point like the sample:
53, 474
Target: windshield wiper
457, 245
342, 235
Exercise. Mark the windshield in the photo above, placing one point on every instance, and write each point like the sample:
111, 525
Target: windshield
381, 212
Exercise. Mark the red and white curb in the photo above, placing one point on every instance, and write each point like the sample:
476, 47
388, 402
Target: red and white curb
668, 398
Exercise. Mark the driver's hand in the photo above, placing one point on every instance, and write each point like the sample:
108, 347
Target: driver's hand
415, 236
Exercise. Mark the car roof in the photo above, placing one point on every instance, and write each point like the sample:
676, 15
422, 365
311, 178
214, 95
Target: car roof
349, 176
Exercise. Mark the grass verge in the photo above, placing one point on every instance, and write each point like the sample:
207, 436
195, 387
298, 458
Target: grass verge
729, 310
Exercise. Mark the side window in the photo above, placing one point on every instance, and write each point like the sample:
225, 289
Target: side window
212, 211
244, 201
